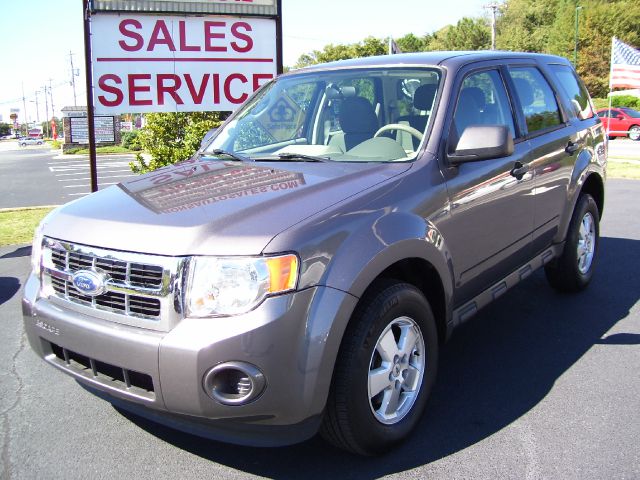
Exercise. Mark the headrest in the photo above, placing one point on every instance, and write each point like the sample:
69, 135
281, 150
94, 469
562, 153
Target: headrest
423, 97
475, 95
357, 116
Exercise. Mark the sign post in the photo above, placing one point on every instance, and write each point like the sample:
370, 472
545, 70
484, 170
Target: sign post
177, 55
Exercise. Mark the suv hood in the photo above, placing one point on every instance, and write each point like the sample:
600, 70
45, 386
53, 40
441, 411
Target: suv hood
201, 207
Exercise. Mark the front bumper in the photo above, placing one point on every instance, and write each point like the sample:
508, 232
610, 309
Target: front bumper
292, 339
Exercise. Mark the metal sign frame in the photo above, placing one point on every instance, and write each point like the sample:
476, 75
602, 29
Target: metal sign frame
242, 8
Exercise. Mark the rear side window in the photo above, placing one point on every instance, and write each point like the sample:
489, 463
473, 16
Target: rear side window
575, 90
536, 98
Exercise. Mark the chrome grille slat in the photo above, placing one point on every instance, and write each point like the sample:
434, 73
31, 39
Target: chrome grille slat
136, 290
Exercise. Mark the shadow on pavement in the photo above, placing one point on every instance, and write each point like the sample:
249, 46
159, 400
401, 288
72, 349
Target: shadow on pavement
495, 369
9, 286
18, 252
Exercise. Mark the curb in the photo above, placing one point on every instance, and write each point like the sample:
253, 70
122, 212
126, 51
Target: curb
631, 160
20, 209
77, 156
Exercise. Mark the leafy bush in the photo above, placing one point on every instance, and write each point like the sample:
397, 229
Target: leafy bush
625, 101
131, 140
172, 137
618, 101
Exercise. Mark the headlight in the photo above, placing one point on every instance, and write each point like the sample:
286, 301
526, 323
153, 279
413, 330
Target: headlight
235, 285
38, 239
36, 249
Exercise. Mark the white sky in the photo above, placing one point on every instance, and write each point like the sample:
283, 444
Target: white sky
37, 39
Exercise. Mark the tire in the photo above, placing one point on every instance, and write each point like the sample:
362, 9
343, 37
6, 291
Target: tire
390, 349
634, 132
573, 270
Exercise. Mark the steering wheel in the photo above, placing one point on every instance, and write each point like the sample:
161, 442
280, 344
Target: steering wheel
400, 126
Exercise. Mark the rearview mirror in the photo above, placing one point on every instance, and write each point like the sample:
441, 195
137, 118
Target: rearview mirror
482, 142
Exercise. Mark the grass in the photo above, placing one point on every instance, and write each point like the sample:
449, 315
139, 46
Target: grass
99, 150
622, 169
17, 226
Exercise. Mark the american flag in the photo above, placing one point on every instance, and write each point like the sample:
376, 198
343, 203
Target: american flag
625, 65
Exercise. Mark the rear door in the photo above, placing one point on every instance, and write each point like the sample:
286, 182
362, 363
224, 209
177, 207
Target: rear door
557, 124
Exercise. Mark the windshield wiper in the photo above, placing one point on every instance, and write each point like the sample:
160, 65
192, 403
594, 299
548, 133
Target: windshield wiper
224, 153
302, 157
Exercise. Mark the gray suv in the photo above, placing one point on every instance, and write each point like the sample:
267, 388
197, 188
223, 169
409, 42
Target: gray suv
301, 271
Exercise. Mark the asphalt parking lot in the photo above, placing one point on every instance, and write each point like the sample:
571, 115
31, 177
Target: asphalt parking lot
537, 386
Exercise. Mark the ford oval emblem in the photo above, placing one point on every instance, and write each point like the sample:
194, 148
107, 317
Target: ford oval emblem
89, 283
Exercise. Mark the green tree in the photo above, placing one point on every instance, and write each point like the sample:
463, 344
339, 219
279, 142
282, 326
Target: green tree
467, 34
411, 43
368, 47
172, 137
5, 129
524, 26
548, 26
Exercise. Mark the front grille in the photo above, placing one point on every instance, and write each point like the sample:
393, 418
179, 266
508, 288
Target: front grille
136, 286
113, 376
134, 274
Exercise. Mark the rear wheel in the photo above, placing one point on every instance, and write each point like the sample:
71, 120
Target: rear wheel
572, 272
385, 370
634, 133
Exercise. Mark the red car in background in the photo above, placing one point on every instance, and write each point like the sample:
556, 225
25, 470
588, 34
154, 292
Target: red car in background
624, 122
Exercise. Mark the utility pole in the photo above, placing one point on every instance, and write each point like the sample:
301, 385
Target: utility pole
494, 11
46, 109
24, 105
37, 109
53, 113
73, 79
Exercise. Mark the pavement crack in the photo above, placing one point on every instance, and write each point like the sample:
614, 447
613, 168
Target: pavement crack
6, 470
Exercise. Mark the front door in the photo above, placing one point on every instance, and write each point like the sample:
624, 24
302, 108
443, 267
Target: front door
491, 222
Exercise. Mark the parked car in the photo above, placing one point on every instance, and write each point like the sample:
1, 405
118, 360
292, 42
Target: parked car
621, 122
24, 141
301, 272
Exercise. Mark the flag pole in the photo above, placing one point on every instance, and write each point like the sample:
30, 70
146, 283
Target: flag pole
613, 41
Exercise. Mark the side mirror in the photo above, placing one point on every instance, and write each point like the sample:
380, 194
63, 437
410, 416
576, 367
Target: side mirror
482, 142
207, 136
620, 117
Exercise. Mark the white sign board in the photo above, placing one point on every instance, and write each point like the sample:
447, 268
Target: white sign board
228, 2
103, 126
152, 63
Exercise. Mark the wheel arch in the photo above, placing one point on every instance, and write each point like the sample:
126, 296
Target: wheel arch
594, 186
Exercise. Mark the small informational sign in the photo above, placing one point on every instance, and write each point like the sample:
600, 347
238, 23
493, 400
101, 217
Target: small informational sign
104, 130
282, 119
158, 63
126, 126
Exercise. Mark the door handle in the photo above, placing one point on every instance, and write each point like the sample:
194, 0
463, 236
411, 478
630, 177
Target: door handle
572, 148
519, 170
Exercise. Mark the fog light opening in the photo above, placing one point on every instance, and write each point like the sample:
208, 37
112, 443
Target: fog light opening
234, 383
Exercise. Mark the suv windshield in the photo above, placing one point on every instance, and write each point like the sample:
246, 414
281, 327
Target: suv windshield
371, 115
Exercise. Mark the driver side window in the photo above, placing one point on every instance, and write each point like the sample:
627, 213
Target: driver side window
482, 101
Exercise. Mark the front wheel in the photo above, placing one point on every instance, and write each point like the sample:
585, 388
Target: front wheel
385, 370
634, 133
572, 272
